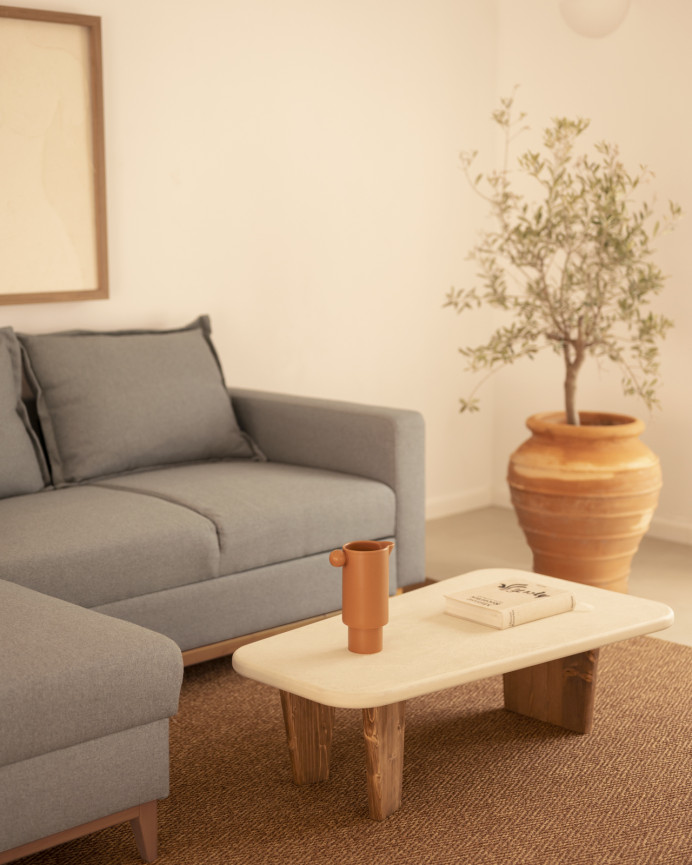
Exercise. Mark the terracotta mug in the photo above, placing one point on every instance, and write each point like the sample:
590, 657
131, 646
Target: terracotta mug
364, 592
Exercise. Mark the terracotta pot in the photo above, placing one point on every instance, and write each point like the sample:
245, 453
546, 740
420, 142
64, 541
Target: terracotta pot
584, 495
364, 592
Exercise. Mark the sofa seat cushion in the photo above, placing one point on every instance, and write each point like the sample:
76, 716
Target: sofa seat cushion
267, 512
92, 546
72, 675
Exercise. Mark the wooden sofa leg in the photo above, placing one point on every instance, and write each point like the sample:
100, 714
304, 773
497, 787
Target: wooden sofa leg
142, 818
145, 828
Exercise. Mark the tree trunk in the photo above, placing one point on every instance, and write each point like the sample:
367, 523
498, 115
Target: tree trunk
572, 365
571, 412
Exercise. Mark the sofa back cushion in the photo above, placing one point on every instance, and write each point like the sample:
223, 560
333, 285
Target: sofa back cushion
119, 401
22, 466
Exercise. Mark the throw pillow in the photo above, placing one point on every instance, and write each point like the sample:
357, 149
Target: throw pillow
22, 466
119, 401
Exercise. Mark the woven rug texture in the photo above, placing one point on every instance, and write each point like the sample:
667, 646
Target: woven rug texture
482, 786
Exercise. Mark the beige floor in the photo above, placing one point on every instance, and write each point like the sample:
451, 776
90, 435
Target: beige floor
491, 538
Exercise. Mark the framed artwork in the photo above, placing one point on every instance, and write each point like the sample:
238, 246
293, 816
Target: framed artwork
53, 244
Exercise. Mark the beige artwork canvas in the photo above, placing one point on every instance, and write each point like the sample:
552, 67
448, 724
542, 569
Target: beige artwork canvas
52, 207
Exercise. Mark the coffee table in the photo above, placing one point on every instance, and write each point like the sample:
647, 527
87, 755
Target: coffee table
549, 669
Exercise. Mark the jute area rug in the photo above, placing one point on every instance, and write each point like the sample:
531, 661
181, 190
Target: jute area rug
481, 785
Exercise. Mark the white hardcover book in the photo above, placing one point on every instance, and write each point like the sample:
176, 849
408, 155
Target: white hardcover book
510, 603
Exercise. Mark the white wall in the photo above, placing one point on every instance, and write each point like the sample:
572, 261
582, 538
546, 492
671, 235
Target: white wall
634, 86
290, 167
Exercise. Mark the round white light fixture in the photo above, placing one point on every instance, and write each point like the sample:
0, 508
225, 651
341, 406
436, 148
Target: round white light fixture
594, 17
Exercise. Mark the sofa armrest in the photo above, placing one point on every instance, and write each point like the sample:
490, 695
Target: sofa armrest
385, 444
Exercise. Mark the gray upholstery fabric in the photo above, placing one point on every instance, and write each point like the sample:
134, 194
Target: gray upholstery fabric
242, 603
95, 674
91, 545
22, 467
72, 786
269, 512
385, 444
112, 402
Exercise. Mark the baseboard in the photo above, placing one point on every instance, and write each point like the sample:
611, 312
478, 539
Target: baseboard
501, 496
469, 500
670, 530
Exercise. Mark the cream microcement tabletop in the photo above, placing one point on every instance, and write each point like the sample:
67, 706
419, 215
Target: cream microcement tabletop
427, 650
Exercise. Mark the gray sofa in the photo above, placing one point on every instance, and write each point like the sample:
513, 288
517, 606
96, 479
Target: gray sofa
132, 486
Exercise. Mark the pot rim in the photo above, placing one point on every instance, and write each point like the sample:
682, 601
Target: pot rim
611, 425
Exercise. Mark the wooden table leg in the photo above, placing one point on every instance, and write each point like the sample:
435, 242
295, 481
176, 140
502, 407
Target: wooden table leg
560, 692
383, 729
309, 734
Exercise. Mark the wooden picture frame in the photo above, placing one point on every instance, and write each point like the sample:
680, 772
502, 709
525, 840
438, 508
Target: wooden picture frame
53, 241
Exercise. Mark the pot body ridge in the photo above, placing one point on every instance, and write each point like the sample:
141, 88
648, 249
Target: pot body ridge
584, 495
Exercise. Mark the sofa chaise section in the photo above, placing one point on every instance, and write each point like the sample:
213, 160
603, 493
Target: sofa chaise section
84, 706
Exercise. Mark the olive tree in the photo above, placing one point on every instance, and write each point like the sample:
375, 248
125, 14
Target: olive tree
571, 263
